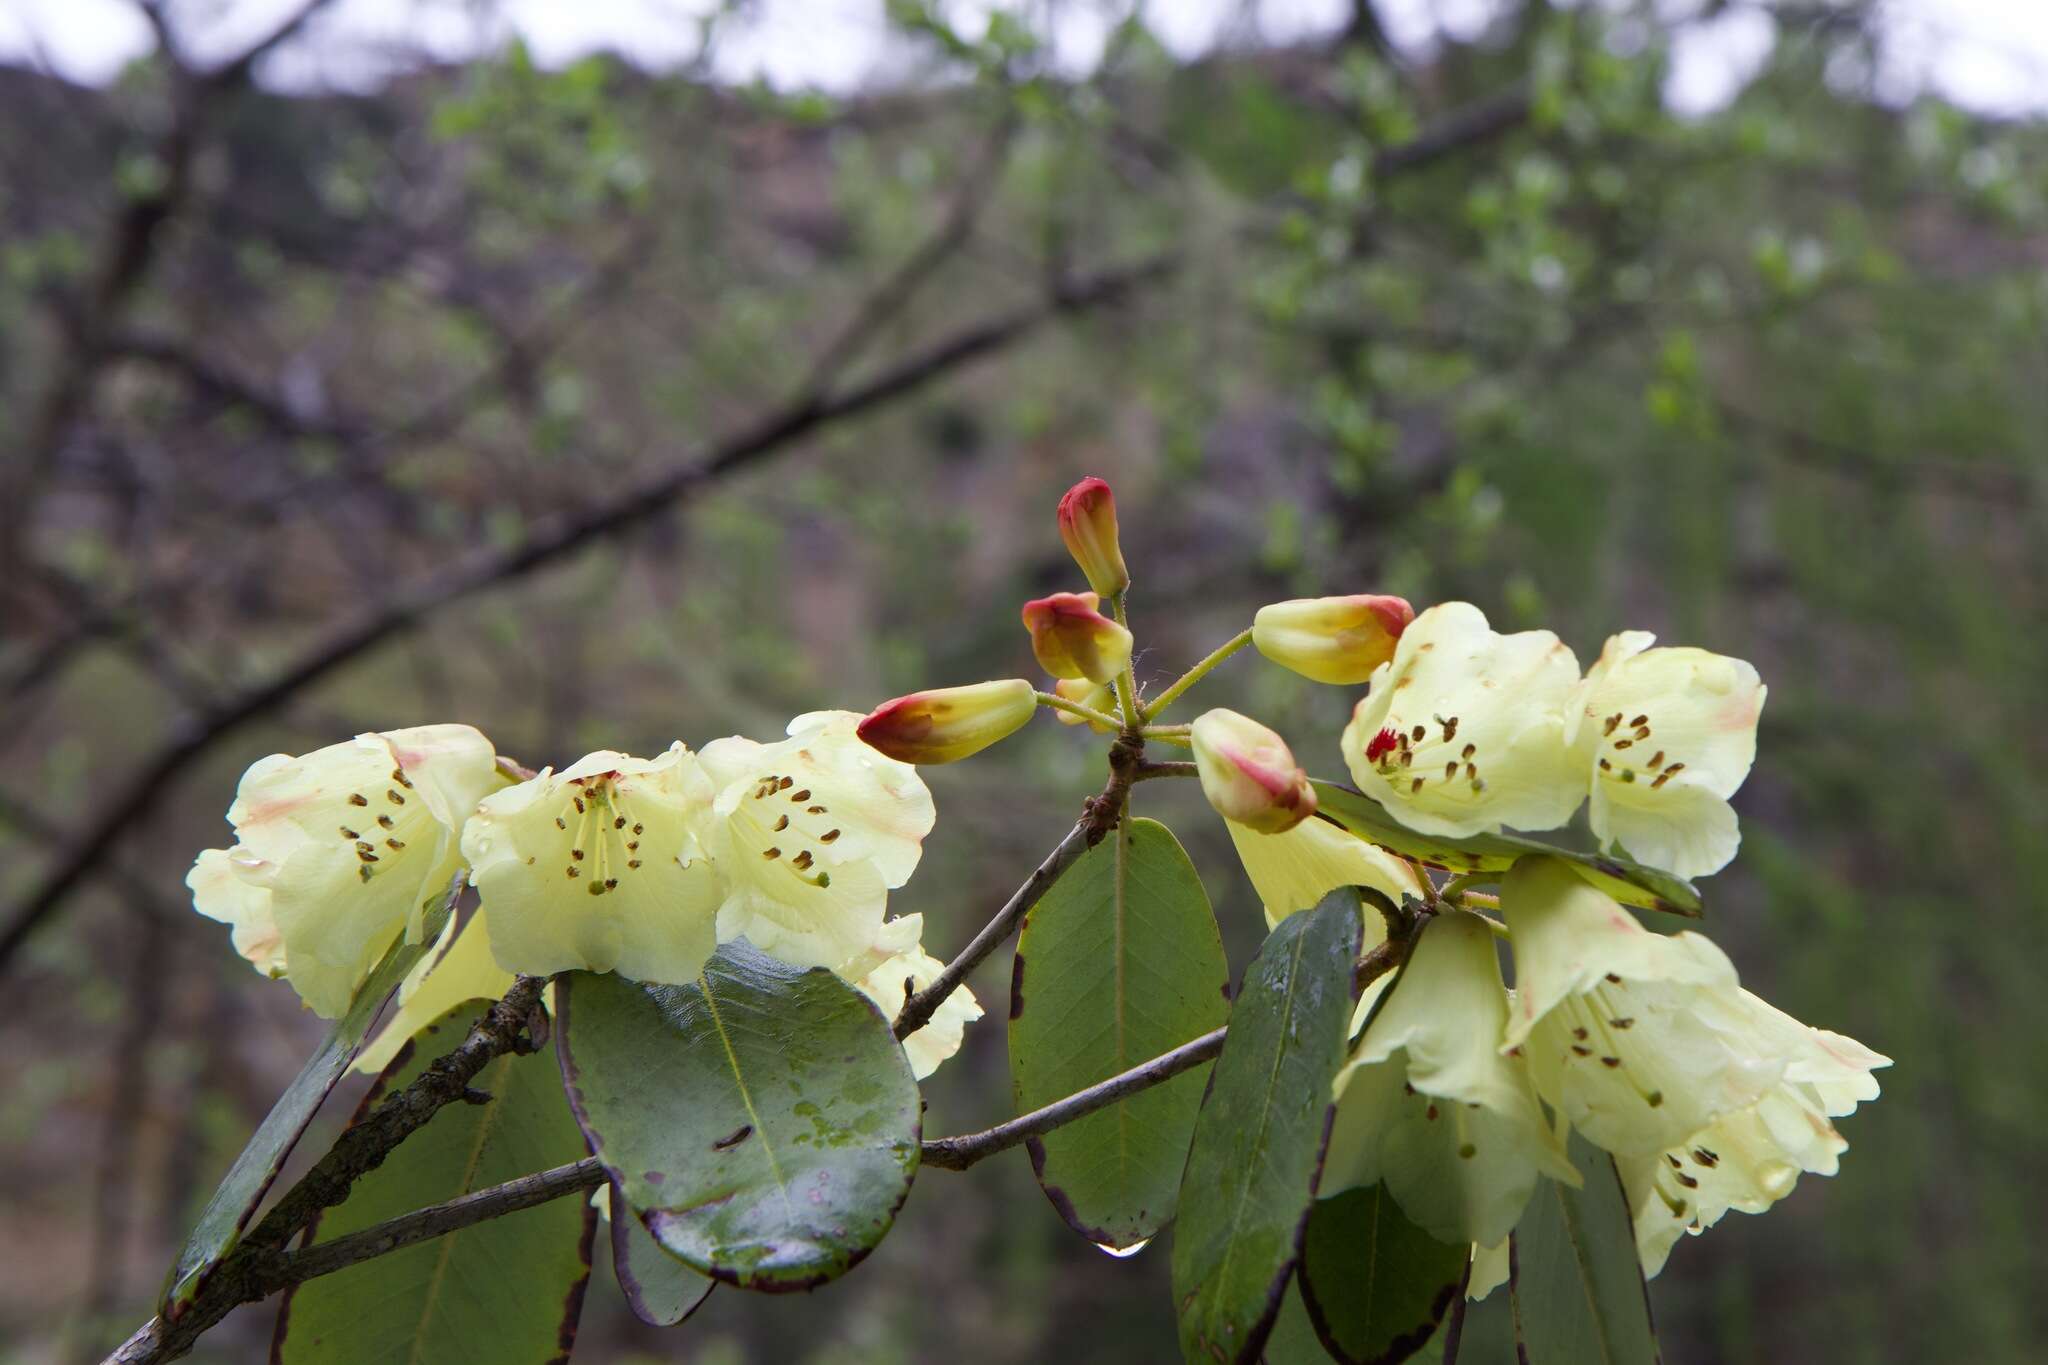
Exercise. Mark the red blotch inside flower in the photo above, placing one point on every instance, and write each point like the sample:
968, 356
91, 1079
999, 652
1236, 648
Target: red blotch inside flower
1382, 743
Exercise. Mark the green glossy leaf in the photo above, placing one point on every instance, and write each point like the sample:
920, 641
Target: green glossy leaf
762, 1120
660, 1287
502, 1292
1376, 1286
226, 1215
1258, 1143
1629, 882
1578, 1288
1120, 961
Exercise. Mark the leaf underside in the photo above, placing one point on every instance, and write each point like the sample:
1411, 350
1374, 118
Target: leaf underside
1376, 1286
1627, 881
1258, 1142
1578, 1288
660, 1288
1119, 962
761, 1121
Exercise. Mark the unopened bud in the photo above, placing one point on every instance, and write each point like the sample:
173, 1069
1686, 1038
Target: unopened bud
1249, 774
1074, 640
1088, 525
1332, 639
1095, 696
949, 723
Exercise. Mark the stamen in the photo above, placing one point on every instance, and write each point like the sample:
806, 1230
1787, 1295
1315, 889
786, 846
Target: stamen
771, 853
357, 799
349, 834
387, 821
800, 797
781, 824
828, 836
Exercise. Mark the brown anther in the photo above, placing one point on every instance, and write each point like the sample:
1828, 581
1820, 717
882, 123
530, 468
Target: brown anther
1610, 1062
571, 870
785, 784
1472, 771
828, 836
1675, 767
1613, 980
619, 822
357, 799
771, 853
1450, 770
1657, 761
560, 823
781, 824
394, 844
1578, 1051
611, 883
1417, 733
1605, 766
1638, 722
636, 829
632, 845
1706, 1156
1623, 743
1689, 1182
1451, 730
1415, 786
633, 862
801, 861
577, 854
1430, 1112
1662, 778
349, 834
1580, 1034
579, 804
366, 857
364, 846
394, 798
387, 821
1612, 721
815, 810
801, 797
1469, 750
1623, 1023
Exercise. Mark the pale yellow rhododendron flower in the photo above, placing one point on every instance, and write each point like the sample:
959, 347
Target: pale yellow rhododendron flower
1295, 869
219, 892
1750, 1159
461, 968
1637, 1038
1428, 1103
896, 957
1668, 735
809, 835
597, 867
351, 843
1462, 731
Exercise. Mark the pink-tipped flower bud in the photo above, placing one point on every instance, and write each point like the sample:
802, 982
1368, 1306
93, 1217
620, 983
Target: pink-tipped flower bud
949, 723
1074, 640
1096, 696
1332, 639
1088, 525
1249, 774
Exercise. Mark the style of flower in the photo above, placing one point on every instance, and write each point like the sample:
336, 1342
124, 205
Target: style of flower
896, 965
1462, 731
597, 867
1638, 1039
808, 836
347, 846
1428, 1103
1668, 735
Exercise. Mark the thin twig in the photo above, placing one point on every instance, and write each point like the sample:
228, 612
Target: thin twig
1102, 813
958, 1153
324, 1258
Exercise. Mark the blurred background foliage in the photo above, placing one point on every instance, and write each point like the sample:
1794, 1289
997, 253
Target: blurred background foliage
1493, 326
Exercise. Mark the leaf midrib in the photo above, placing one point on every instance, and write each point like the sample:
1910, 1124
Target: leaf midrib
746, 1096
485, 1122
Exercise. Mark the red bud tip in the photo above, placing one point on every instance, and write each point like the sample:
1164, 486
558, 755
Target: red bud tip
1073, 640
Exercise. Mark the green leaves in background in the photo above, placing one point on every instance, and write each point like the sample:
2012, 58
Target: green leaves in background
762, 1121
1628, 882
504, 1291
227, 1213
660, 1287
1578, 1287
1120, 961
1258, 1143
1376, 1287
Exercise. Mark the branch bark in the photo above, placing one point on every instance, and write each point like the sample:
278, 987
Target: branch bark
254, 1268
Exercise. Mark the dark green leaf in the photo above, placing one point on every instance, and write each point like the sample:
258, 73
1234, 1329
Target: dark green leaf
1120, 961
660, 1287
1258, 1143
1578, 1287
762, 1120
1628, 882
1294, 1340
504, 1291
227, 1213
1375, 1285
